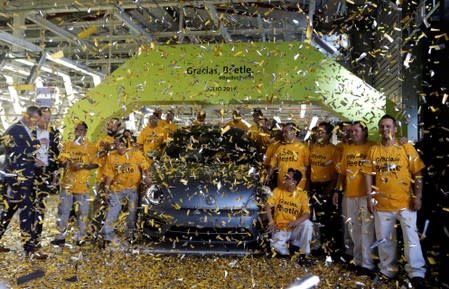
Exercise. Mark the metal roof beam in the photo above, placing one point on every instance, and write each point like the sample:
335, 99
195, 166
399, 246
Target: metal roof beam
323, 44
18, 42
196, 33
35, 69
213, 14
133, 27
71, 6
68, 36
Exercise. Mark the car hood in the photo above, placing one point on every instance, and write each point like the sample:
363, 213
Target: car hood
219, 186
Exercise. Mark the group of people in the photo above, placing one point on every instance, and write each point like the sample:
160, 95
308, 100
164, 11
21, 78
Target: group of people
36, 164
346, 199
343, 199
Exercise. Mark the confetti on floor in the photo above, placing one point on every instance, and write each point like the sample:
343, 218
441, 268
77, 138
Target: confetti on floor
125, 266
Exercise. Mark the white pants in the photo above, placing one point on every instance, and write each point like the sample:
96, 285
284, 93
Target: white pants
385, 230
115, 206
359, 224
81, 209
299, 236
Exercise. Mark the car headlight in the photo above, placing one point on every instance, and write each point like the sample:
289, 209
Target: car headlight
153, 195
265, 191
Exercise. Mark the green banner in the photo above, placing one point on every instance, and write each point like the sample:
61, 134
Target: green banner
242, 73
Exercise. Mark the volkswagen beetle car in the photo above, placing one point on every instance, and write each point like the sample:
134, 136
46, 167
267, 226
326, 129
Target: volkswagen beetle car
205, 189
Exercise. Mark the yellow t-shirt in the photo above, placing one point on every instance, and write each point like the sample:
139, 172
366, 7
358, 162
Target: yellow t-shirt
294, 155
261, 138
125, 170
170, 128
103, 141
237, 124
288, 206
77, 182
152, 138
271, 149
323, 159
353, 159
393, 167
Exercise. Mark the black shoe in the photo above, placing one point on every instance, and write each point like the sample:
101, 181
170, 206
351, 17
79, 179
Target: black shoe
35, 254
305, 261
58, 242
318, 252
4, 250
294, 249
418, 283
104, 243
362, 271
380, 277
343, 258
81, 243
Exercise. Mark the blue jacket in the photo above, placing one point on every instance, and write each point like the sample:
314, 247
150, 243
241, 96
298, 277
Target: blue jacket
20, 151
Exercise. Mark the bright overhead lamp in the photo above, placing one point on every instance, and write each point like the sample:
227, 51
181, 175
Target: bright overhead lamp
16, 70
65, 77
313, 123
13, 93
68, 63
19, 42
302, 112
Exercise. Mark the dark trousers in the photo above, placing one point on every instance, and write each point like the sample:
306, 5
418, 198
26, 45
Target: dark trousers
21, 197
327, 216
42, 188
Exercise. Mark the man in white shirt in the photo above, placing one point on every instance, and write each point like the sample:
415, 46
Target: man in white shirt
46, 165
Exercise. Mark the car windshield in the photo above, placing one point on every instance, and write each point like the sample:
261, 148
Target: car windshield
211, 144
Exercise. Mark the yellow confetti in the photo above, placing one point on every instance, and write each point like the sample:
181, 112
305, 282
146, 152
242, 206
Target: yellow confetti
88, 32
57, 55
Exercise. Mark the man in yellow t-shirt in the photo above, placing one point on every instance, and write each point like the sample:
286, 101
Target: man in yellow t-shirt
104, 145
200, 118
358, 222
170, 125
268, 155
259, 131
125, 169
152, 137
78, 159
237, 121
394, 188
288, 214
290, 154
343, 131
323, 177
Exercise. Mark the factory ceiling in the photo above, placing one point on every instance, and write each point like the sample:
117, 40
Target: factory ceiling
64, 47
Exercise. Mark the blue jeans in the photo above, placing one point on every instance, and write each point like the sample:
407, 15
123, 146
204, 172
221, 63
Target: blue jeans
81, 209
115, 206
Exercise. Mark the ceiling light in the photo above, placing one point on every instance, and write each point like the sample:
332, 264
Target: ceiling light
302, 112
313, 123
15, 69
13, 93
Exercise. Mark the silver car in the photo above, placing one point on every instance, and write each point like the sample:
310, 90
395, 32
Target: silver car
205, 189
